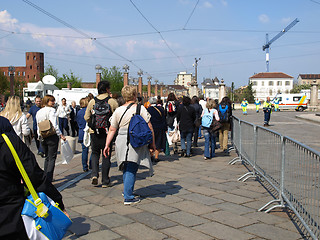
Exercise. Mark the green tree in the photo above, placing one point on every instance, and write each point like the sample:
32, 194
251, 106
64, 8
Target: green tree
63, 81
248, 93
4, 84
51, 70
297, 88
19, 84
114, 76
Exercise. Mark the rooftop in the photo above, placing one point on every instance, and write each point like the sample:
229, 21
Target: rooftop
271, 75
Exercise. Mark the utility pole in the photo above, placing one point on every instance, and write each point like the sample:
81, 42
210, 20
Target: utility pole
196, 69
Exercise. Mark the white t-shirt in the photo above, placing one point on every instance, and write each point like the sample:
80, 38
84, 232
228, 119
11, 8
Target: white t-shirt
115, 118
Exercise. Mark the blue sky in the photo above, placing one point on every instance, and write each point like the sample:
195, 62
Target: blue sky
227, 35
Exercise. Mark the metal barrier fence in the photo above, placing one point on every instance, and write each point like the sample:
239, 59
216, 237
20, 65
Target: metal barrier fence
290, 167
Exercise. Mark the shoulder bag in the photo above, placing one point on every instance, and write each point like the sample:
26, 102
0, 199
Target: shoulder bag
42, 217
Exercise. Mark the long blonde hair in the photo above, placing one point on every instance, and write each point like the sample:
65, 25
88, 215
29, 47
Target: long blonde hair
12, 110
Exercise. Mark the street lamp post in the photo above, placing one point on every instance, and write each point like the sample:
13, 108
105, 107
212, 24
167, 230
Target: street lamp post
11, 70
125, 75
156, 87
98, 74
140, 72
149, 86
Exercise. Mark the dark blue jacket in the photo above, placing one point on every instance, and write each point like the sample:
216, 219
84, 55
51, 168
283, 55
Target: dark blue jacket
81, 123
158, 119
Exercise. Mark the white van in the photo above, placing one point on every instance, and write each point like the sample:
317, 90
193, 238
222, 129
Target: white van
296, 101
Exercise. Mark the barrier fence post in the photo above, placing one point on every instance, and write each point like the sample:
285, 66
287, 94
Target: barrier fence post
239, 158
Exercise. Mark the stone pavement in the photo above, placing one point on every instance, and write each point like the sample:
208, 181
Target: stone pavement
187, 198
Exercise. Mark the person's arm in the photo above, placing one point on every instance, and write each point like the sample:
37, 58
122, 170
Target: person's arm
28, 115
216, 114
111, 133
88, 113
24, 125
153, 144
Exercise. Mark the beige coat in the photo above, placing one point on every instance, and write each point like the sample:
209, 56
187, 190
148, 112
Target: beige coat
113, 103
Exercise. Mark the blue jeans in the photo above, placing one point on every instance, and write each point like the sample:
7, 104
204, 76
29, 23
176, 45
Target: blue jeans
129, 179
85, 151
210, 141
199, 134
63, 124
186, 136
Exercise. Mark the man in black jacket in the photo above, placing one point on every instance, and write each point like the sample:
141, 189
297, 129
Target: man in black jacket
11, 186
74, 109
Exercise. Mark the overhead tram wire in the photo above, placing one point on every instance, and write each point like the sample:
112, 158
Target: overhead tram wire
158, 33
10, 34
191, 14
78, 31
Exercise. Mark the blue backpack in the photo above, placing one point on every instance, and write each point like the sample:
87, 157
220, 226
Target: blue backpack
139, 133
224, 113
207, 118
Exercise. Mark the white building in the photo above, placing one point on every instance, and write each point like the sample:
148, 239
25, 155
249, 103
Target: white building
270, 83
183, 79
210, 88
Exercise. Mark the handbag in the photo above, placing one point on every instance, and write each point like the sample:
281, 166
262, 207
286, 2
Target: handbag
46, 128
43, 219
215, 126
197, 122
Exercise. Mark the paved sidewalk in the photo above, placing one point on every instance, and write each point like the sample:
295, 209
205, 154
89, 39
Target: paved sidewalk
187, 198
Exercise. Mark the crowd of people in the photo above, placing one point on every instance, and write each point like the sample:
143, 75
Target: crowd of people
105, 120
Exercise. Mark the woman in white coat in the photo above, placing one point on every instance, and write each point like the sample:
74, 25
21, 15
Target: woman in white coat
16, 117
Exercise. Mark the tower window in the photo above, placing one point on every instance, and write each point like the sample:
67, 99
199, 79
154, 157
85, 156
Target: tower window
34, 58
30, 66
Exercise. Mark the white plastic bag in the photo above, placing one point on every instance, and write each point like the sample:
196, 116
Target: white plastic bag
66, 152
169, 138
86, 136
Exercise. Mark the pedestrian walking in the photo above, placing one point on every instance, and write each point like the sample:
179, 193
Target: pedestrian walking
158, 122
128, 158
49, 142
17, 118
82, 124
203, 103
267, 105
186, 116
276, 102
258, 104
225, 113
198, 108
98, 113
63, 112
171, 110
244, 105
209, 114
74, 109
33, 112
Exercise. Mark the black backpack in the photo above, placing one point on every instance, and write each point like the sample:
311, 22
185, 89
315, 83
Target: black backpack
99, 120
224, 113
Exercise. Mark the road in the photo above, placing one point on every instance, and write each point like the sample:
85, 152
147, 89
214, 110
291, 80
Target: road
286, 123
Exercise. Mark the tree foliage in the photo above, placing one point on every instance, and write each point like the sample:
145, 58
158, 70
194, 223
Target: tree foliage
4, 84
297, 88
248, 93
62, 82
114, 76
